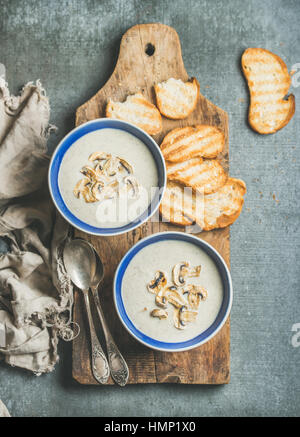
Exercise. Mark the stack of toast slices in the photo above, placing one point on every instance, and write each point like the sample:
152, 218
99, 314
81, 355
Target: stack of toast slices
199, 191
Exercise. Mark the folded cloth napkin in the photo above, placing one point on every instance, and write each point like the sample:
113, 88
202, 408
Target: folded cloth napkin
36, 295
3, 410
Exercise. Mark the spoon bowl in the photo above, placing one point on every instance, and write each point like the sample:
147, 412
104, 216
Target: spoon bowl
80, 263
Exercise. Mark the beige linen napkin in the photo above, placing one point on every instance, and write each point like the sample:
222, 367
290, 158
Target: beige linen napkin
3, 410
36, 295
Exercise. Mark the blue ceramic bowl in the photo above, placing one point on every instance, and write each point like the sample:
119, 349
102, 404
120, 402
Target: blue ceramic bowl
69, 140
204, 336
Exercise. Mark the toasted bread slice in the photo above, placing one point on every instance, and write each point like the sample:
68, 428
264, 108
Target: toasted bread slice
174, 167
188, 142
212, 211
176, 99
136, 110
224, 206
269, 82
179, 204
197, 173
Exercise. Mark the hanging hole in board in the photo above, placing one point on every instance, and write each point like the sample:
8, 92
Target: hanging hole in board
150, 49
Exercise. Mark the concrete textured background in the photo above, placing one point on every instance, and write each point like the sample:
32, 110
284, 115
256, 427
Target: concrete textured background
72, 47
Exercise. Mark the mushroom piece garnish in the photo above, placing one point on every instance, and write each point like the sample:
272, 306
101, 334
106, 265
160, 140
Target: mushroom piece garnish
110, 177
169, 294
100, 173
84, 188
80, 186
194, 271
187, 316
89, 172
194, 300
182, 316
99, 156
197, 289
196, 293
179, 273
111, 166
159, 282
132, 186
101, 177
125, 165
182, 270
174, 297
161, 299
97, 189
88, 195
161, 314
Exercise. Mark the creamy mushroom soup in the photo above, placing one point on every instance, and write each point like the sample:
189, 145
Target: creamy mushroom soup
103, 151
163, 310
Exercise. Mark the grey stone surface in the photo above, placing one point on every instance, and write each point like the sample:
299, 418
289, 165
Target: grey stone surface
72, 47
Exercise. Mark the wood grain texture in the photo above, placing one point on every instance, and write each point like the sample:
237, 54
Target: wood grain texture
136, 71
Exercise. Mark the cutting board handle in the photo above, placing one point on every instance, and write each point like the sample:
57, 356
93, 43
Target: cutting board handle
149, 53
154, 46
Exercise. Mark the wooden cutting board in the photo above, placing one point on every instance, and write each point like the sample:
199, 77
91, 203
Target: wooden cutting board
151, 53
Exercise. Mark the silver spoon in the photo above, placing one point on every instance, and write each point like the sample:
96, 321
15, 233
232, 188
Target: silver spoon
80, 264
118, 367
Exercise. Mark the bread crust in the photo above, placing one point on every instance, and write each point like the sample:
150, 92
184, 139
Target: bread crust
269, 82
188, 142
137, 110
173, 112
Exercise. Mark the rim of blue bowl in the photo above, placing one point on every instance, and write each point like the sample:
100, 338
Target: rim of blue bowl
199, 339
66, 143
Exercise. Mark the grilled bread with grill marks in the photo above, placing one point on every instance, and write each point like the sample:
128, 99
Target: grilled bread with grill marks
212, 211
176, 99
224, 206
269, 82
188, 142
197, 173
136, 110
179, 204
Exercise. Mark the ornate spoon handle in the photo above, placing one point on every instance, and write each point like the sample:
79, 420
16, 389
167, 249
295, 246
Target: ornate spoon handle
118, 367
100, 366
